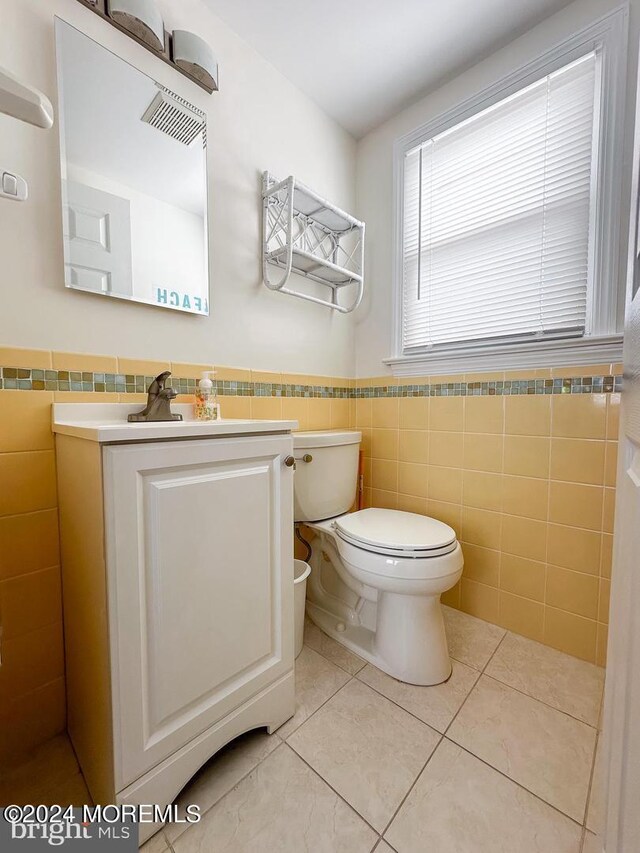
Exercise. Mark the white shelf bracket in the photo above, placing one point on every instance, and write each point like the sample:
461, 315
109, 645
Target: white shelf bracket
303, 233
287, 210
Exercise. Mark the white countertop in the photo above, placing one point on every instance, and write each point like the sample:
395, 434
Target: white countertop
107, 423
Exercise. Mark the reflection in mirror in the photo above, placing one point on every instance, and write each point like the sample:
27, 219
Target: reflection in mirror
134, 185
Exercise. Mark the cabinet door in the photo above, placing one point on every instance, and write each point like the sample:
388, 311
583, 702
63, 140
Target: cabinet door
200, 583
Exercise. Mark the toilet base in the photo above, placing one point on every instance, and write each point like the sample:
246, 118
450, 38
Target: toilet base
409, 644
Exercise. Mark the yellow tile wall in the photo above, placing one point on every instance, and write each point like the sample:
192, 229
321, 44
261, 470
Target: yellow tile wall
32, 704
527, 484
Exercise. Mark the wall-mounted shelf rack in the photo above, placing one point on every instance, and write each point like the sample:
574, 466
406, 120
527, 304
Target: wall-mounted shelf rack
305, 234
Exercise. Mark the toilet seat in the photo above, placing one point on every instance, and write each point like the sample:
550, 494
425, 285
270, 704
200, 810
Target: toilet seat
393, 533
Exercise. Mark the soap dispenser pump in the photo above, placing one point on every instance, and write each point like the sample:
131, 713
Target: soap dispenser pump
207, 407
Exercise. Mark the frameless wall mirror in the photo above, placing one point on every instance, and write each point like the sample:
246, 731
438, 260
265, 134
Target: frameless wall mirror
134, 182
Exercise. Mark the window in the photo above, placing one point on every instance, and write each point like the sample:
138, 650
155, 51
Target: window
502, 222
496, 217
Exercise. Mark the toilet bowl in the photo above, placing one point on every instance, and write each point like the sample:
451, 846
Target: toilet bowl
377, 574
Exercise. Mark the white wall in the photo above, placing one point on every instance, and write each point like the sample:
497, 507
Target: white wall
375, 163
258, 120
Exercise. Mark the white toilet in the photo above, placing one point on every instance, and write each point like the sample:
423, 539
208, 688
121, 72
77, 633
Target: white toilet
377, 574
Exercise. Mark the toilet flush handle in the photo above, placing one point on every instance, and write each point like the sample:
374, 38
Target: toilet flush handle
290, 461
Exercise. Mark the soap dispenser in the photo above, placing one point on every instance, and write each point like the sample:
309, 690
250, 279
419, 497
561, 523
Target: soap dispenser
207, 407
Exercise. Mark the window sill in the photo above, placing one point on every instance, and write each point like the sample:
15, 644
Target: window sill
533, 354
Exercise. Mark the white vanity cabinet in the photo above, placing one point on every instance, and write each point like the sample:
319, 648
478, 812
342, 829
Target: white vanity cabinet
178, 594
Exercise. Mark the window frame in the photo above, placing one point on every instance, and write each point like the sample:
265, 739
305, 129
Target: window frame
602, 341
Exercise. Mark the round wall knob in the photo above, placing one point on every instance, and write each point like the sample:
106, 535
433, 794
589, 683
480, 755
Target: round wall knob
307, 457
290, 462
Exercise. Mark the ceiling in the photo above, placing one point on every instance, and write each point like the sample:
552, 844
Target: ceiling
363, 60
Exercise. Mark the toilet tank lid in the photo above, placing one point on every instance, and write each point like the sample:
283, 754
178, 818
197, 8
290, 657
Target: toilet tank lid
390, 528
326, 438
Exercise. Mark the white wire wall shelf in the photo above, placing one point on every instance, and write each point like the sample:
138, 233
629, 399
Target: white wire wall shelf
305, 234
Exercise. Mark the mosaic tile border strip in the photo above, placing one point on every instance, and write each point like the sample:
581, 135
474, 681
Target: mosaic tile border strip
506, 387
26, 379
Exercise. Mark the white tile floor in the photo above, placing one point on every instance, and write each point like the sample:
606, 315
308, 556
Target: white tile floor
498, 759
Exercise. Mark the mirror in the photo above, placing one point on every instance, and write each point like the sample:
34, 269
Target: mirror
134, 181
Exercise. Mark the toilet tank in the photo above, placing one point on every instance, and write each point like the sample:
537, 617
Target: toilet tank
325, 486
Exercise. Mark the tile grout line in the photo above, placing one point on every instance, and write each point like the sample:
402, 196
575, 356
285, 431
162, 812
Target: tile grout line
262, 760
450, 740
337, 793
380, 835
313, 713
583, 839
402, 708
493, 654
602, 517
166, 839
541, 701
352, 674
506, 776
503, 433
382, 840
430, 725
442, 736
38, 450
475, 684
187, 827
33, 572
591, 778
440, 739
483, 672
513, 781
548, 522
31, 511
411, 787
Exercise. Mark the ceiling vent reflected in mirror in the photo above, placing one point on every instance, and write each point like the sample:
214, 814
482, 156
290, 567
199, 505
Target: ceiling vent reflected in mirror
171, 115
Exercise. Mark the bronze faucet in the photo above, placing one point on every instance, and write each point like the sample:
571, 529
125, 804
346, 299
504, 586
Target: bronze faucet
159, 399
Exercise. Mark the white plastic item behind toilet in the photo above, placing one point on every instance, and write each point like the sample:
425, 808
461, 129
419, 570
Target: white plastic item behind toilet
302, 571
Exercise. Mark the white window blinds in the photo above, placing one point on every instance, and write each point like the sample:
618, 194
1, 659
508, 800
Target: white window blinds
496, 218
